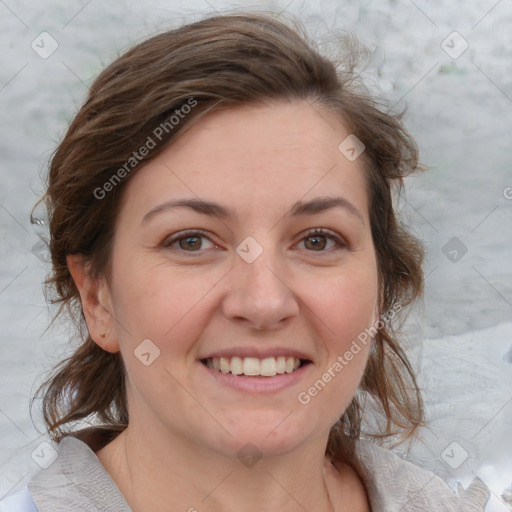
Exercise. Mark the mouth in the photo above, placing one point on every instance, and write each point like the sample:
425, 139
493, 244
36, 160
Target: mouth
255, 367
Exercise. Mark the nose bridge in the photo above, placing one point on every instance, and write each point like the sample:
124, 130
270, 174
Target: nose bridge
258, 290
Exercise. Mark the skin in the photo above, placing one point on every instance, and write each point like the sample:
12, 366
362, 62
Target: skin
180, 449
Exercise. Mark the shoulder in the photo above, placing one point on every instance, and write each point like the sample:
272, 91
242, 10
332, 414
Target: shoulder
76, 480
393, 483
20, 501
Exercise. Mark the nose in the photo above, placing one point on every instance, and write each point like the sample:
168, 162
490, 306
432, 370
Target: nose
260, 294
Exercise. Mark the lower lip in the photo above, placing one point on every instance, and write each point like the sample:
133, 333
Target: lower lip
257, 384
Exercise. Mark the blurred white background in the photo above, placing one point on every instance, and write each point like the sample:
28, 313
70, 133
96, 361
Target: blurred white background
458, 91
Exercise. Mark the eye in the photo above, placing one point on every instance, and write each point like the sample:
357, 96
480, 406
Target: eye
317, 238
188, 241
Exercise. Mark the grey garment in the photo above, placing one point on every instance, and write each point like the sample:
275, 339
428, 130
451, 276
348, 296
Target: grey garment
396, 485
77, 481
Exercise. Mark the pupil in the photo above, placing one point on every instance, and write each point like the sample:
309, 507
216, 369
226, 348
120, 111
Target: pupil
317, 243
191, 245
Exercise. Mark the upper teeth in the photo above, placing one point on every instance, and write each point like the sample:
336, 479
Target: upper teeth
267, 367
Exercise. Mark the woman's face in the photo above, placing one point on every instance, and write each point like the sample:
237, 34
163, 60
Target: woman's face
240, 274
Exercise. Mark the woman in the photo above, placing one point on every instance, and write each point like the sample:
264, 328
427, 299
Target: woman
221, 221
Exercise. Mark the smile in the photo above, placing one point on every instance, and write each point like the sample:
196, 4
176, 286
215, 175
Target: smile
253, 366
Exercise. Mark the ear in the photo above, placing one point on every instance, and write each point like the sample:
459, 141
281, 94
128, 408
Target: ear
96, 303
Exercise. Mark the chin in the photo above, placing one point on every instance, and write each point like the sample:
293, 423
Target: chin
269, 433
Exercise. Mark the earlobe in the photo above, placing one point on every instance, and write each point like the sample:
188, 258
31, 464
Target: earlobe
96, 303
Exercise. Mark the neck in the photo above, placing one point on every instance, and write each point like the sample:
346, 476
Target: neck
157, 473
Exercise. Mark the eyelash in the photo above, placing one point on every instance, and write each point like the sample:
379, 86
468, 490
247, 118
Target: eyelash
340, 242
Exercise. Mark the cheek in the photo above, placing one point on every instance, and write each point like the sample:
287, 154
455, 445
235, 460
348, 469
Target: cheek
162, 304
166, 306
347, 304
345, 308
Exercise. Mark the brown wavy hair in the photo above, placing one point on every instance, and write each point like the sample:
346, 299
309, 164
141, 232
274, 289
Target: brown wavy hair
222, 62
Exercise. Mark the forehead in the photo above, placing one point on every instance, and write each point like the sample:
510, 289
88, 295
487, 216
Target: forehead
254, 157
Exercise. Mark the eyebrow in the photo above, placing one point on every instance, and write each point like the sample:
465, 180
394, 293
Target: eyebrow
300, 208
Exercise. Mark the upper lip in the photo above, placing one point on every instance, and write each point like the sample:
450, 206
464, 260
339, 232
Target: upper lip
258, 352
